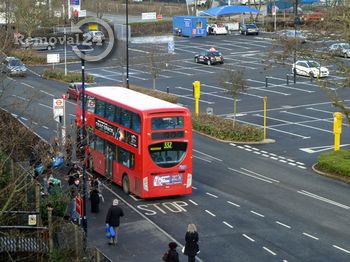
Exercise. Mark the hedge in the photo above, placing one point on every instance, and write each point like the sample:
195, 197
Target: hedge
29, 57
336, 162
222, 128
151, 28
58, 74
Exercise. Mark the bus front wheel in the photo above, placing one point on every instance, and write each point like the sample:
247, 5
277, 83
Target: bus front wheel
126, 185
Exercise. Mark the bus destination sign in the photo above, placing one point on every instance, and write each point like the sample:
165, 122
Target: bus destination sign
116, 132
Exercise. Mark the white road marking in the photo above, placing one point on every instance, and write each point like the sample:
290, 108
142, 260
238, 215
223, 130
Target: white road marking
292, 164
249, 238
194, 203
342, 249
256, 152
265, 155
211, 195
274, 158
227, 224
257, 174
134, 198
40, 104
264, 152
256, 213
21, 98
27, 85
206, 155
210, 213
241, 147
194, 187
71, 115
310, 236
302, 167
268, 250
234, 204
25, 119
46, 93
290, 160
259, 178
283, 161
299, 163
247, 149
318, 149
203, 159
306, 193
284, 225
34, 123
45, 127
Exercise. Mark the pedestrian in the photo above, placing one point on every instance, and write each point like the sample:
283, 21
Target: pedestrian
113, 220
94, 200
171, 255
99, 185
191, 246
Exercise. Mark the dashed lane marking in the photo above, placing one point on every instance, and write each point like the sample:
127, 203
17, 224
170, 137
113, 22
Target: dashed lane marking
207, 155
194, 203
234, 204
193, 187
249, 238
227, 224
271, 252
27, 85
210, 213
310, 236
256, 213
211, 195
284, 225
203, 159
45, 127
342, 249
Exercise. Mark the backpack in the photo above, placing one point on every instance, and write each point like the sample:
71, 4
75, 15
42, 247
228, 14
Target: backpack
165, 256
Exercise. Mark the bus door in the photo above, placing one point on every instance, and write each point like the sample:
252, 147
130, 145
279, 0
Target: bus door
110, 150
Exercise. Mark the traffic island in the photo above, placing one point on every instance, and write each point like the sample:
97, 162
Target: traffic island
334, 164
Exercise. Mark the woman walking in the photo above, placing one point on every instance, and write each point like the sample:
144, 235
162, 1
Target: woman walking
191, 246
95, 201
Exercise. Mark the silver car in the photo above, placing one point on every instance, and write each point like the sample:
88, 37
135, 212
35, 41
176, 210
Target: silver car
340, 49
13, 67
94, 37
37, 43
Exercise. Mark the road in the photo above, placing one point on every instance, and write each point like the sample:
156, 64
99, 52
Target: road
250, 203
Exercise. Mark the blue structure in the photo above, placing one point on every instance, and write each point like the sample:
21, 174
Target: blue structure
190, 26
228, 10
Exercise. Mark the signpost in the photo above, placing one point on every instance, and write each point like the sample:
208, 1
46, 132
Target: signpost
53, 59
149, 16
59, 111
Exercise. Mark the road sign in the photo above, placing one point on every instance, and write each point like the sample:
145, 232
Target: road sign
79, 206
171, 47
210, 111
274, 10
58, 109
53, 58
31, 220
82, 13
149, 16
159, 17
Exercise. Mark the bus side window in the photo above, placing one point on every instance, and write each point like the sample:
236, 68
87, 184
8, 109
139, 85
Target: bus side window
117, 114
136, 122
100, 108
125, 119
126, 158
91, 140
99, 144
110, 112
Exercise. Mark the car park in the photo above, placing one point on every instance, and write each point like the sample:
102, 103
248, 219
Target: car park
340, 49
94, 36
310, 68
74, 89
249, 29
12, 66
293, 35
209, 57
37, 43
217, 29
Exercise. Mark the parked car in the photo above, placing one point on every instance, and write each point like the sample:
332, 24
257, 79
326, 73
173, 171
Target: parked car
74, 89
292, 34
310, 68
37, 43
94, 36
217, 29
249, 29
209, 57
12, 66
340, 49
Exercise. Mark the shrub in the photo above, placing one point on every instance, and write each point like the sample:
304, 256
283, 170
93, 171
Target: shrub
337, 162
59, 202
70, 77
29, 57
151, 28
158, 94
222, 129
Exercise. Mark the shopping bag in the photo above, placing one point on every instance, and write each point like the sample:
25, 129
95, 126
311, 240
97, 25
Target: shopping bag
112, 232
57, 161
108, 232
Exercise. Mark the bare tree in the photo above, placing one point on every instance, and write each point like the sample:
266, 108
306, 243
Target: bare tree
235, 83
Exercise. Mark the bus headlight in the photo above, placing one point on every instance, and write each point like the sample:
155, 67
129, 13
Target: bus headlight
145, 183
189, 180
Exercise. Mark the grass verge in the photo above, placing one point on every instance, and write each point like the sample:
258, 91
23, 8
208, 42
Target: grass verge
336, 163
59, 75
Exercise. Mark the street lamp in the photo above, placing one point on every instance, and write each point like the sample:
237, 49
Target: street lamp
296, 23
83, 49
127, 43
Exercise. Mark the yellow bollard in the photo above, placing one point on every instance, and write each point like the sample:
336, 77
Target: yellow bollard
337, 126
196, 94
265, 98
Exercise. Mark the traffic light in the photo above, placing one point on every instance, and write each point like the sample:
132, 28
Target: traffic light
337, 124
196, 89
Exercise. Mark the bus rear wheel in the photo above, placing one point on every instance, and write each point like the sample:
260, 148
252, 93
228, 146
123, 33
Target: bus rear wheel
126, 185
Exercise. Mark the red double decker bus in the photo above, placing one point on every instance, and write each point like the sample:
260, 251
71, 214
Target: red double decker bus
139, 142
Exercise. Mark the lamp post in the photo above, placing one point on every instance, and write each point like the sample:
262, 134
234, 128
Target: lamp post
296, 22
127, 43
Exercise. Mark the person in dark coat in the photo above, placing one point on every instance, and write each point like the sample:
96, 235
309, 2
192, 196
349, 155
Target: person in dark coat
113, 220
191, 246
171, 255
95, 201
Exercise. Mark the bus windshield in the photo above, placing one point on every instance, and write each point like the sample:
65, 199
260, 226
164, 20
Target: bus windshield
167, 154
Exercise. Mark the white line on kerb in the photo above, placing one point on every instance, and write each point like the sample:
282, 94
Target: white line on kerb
268, 250
256, 213
231, 203
284, 225
210, 213
194, 203
342, 249
211, 195
248, 237
227, 224
311, 236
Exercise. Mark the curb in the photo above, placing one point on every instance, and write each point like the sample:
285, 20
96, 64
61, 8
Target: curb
336, 177
266, 141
